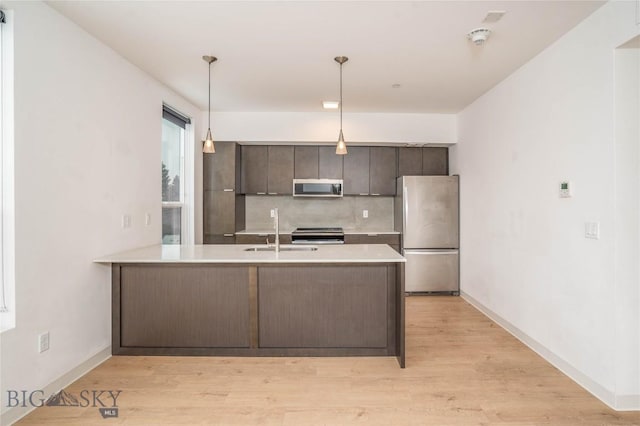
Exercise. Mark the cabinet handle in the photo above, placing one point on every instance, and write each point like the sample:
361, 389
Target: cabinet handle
372, 235
228, 235
364, 193
375, 194
273, 193
261, 193
228, 190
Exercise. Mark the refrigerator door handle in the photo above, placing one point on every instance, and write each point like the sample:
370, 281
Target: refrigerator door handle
405, 206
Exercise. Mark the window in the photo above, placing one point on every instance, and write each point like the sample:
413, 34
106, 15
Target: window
175, 214
7, 238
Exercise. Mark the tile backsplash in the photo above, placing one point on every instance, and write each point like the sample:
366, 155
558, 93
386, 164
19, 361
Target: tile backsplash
295, 212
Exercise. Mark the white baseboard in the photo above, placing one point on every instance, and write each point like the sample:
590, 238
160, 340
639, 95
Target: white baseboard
616, 402
14, 414
627, 402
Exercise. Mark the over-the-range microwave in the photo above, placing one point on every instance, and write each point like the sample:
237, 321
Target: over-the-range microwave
317, 187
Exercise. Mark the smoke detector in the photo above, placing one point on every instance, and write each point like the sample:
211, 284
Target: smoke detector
479, 36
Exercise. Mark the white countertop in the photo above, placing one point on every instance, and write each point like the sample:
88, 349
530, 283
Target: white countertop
287, 232
235, 253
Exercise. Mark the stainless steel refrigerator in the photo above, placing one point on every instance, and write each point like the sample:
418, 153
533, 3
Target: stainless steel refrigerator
426, 214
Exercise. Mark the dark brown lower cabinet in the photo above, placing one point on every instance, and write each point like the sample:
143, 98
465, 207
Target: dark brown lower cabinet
306, 307
258, 310
262, 238
392, 240
184, 306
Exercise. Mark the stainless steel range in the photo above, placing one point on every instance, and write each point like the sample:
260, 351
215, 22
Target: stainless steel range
317, 236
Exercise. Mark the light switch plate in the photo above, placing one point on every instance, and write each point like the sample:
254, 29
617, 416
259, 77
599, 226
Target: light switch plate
43, 342
592, 230
365, 213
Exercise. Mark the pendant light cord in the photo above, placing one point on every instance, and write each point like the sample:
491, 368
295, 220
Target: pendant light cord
209, 95
340, 97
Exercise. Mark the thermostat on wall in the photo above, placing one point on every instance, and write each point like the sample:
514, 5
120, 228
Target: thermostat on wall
565, 189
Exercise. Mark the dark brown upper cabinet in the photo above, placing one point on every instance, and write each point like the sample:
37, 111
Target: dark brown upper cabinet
254, 170
410, 161
313, 162
427, 161
221, 170
356, 171
382, 170
280, 170
329, 163
267, 169
306, 162
435, 161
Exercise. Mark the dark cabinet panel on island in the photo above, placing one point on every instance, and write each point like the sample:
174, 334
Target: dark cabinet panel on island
305, 306
282, 309
184, 307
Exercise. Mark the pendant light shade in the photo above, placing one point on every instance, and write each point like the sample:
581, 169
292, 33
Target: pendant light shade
207, 144
341, 147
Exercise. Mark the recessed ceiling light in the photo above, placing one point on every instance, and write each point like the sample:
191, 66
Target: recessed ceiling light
396, 85
330, 104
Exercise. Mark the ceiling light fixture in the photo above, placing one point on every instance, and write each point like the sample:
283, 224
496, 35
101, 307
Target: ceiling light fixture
330, 104
341, 147
207, 143
479, 36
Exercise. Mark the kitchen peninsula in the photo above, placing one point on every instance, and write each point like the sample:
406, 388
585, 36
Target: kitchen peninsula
242, 300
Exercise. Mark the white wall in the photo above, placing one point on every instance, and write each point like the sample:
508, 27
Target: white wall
87, 150
324, 127
627, 219
523, 252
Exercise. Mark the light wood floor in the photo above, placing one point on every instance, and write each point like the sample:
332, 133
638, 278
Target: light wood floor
462, 369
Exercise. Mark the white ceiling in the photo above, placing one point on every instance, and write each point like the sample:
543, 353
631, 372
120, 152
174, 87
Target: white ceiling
278, 55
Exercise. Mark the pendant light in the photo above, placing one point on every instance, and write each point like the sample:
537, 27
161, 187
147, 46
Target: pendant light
341, 147
207, 143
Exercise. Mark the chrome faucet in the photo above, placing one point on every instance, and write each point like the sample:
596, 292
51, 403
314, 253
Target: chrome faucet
276, 223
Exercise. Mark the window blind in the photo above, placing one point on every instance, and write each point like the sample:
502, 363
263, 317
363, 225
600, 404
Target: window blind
175, 117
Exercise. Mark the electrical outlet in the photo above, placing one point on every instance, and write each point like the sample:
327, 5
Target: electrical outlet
365, 213
43, 342
126, 221
273, 213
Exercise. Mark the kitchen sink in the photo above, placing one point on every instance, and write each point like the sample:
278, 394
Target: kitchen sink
282, 248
